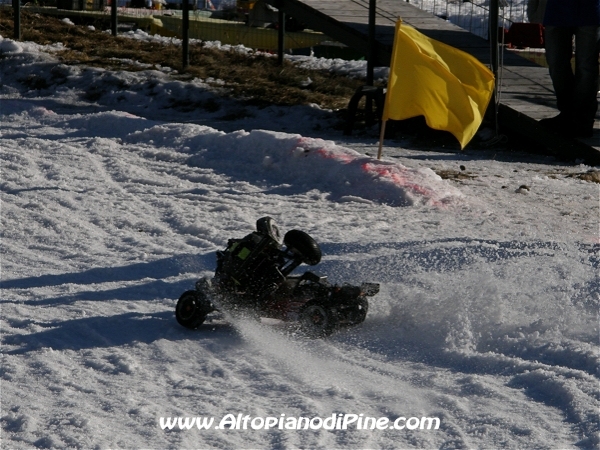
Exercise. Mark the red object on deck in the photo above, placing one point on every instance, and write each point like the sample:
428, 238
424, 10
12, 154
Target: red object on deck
524, 35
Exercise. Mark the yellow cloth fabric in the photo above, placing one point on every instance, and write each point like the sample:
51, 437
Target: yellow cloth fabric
451, 88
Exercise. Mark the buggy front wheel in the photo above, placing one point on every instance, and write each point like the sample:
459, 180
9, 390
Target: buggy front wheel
192, 309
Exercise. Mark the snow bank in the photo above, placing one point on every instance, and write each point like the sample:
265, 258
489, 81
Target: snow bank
297, 163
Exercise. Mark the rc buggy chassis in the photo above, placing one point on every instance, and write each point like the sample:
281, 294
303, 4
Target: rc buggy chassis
253, 275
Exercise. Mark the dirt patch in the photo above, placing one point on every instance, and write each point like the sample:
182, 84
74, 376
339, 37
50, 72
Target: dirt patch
591, 175
462, 174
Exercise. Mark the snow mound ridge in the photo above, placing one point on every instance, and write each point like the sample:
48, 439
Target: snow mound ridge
301, 164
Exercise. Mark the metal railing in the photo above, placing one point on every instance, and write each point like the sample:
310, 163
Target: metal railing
473, 15
230, 27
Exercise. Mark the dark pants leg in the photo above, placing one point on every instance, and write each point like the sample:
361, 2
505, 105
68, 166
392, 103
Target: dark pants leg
559, 50
575, 91
586, 73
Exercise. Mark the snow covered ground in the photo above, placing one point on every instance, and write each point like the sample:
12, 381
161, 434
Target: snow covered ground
114, 203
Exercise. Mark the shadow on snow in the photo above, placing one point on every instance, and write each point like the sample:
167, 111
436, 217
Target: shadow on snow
115, 331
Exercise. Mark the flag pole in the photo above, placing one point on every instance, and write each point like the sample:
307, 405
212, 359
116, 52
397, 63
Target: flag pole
384, 116
381, 134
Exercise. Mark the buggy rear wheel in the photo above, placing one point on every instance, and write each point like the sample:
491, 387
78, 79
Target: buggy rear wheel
192, 309
317, 320
359, 314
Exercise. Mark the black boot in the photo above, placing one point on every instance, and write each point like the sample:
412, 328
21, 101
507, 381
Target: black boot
562, 124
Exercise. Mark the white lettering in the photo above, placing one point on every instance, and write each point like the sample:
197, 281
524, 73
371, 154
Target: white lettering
334, 422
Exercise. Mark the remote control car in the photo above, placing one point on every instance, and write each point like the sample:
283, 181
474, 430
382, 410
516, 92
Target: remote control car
254, 275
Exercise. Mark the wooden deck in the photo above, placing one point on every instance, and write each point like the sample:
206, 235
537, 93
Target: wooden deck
525, 88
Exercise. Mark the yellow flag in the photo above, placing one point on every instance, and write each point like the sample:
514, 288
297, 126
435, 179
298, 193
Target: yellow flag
451, 88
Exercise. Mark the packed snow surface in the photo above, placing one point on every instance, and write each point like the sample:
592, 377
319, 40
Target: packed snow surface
115, 200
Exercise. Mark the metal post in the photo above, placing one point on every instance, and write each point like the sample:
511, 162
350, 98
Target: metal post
471, 19
371, 43
17, 19
280, 37
493, 26
493, 33
185, 34
113, 17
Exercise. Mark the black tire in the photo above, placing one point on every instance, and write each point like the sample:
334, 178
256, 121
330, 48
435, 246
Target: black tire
266, 226
192, 309
317, 320
360, 313
301, 243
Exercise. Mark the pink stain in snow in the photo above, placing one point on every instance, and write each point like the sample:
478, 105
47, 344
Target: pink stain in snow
325, 153
328, 154
395, 174
397, 177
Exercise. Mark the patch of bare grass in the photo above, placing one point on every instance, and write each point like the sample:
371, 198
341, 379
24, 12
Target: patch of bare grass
256, 78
